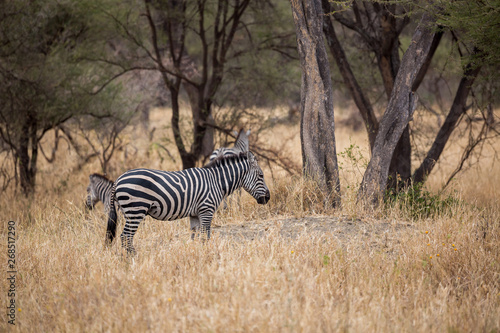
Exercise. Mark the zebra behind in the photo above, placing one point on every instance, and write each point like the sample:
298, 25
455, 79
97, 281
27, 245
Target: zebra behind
241, 145
194, 193
99, 189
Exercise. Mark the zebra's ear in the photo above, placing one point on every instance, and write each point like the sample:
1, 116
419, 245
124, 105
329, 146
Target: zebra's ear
242, 141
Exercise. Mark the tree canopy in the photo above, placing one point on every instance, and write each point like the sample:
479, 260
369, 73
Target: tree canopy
42, 85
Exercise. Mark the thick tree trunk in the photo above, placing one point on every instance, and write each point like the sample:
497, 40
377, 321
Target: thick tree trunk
385, 45
203, 133
317, 122
457, 109
399, 112
425, 67
389, 64
361, 101
205, 145
400, 168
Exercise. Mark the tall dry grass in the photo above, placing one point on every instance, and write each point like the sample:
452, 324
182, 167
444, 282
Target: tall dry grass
315, 282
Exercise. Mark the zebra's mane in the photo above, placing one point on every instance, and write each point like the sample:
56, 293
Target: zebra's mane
221, 158
98, 175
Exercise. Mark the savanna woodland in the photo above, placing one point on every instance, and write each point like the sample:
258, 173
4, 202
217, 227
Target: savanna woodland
376, 125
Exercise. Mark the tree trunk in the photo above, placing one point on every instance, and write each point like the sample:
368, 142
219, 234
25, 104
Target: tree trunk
399, 112
27, 164
206, 133
389, 64
382, 35
388, 51
457, 109
317, 122
203, 134
187, 159
400, 168
361, 101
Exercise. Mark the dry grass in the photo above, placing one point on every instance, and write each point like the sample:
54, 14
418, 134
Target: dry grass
366, 282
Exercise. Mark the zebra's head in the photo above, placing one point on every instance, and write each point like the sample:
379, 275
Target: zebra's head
253, 181
97, 184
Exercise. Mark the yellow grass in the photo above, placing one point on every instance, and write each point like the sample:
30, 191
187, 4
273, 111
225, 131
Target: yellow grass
376, 278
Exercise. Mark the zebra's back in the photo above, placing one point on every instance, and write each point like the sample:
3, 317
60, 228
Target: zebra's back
164, 195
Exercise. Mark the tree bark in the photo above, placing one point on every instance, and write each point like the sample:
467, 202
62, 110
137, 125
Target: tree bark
400, 168
389, 65
361, 101
399, 112
380, 30
457, 109
423, 71
206, 144
317, 120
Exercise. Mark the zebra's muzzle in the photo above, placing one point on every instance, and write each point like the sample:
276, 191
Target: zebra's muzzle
264, 199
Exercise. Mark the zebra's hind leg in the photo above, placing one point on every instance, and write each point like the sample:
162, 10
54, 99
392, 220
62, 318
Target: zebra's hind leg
133, 219
127, 242
195, 225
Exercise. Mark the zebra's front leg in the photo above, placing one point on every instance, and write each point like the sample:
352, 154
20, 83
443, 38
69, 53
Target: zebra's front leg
195, 225
206, 222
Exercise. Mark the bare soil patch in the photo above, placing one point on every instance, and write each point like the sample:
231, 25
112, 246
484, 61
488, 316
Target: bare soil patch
376, 233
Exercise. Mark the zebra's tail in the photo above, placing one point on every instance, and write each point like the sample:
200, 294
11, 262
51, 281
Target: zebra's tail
112, 218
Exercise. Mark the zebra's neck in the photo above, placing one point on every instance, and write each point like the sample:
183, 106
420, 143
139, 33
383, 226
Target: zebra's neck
231, 174
241, 146
103, 190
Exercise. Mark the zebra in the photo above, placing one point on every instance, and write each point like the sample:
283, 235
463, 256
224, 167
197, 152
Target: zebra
195, 193
240, 145
99, 189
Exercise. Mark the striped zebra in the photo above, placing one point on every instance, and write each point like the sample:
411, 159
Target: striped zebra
195, 192
99, 189
241, 145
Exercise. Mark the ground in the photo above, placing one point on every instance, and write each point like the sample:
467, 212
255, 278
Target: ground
343, 229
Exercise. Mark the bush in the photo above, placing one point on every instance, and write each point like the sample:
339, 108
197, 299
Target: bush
419, 203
